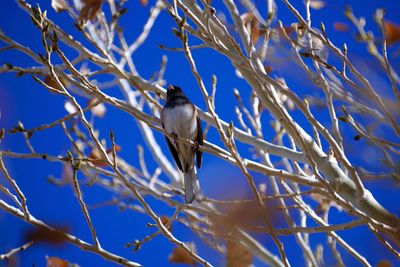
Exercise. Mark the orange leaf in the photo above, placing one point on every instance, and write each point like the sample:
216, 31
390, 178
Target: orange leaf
179, 255
288, 30
143, 2
59, 5
340, 26
237, 256
316, 4
56, 262
89, 9
268, 69
392, 32
384, 263
97, 158
255, 30
252, 25
165, 220
117, 149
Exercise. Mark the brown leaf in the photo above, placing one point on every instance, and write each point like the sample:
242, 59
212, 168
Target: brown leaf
317, 4
165, 221
143, 2
268, 69
56, 262
252, 25
97, 157
117, 149
43, 234
288, 30
178, 255
384, 263
392, 32
89, 9
2, 133
340, 26
255, 30
53, 83
59, 5
237, 256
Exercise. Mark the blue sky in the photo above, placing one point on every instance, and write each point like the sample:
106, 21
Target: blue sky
21, 99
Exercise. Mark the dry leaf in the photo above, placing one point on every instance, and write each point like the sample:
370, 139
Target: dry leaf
237, 256
89, 9
384, 263
52, 83
99, 110
298, 28
56, 262
252, 26
392, 32
42, 234
165, 221
97, 158
178, 255
316, 4
117, 148
268, 69
255, 30
286, 29
340, 27
59, 5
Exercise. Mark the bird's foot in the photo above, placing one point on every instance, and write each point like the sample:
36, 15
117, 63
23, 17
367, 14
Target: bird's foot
195, 146
175, 137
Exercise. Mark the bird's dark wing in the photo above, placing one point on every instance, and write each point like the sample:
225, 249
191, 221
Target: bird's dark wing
172, 148
174, 153
199, 139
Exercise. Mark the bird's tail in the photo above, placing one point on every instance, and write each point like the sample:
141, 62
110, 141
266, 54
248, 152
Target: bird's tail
192, 186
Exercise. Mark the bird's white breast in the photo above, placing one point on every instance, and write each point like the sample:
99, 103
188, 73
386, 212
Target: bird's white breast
180, 120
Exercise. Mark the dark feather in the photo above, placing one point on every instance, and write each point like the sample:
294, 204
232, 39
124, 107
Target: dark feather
173, 150
174, 153
178, 101
199, 139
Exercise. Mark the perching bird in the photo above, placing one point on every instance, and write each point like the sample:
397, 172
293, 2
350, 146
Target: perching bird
179, 118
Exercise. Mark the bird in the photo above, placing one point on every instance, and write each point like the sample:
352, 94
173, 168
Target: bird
180, 118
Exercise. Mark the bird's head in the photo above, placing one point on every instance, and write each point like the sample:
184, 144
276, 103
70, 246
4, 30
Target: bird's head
173, 90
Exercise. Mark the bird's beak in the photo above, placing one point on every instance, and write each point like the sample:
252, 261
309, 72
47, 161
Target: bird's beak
170, 87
